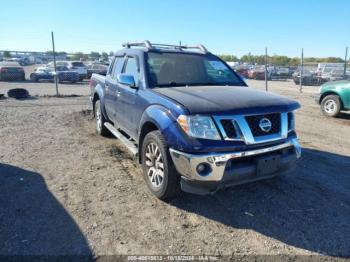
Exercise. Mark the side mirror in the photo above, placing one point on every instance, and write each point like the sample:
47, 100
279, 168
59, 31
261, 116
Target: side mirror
127, 80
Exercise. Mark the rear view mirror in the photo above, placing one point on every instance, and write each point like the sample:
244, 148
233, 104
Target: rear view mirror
127, 80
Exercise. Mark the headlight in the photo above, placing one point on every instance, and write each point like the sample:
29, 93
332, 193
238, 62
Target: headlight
199, 126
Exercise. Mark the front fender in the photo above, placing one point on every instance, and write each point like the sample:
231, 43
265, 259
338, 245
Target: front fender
166, 123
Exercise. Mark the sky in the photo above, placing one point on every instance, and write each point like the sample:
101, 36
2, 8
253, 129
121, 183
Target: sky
322, 28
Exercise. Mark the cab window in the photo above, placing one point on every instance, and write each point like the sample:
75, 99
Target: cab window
118, 66
132, 68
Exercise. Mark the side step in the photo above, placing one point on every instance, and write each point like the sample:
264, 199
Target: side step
133, 149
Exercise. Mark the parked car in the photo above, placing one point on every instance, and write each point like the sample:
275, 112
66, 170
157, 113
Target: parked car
78, 67
309, 77
192, 121
96, 68
279, 73
58, 63
11, 71
333, 75
258, 73
65, 75
334, 97
242, 70
42, 73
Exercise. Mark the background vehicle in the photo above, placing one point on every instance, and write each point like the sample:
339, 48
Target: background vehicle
280, 73
41, 73
58, 63
334, 97
310, 77
78, 67
192, 121
65, 75
11, 71
258, 73
333, 75
96, 68
242, 70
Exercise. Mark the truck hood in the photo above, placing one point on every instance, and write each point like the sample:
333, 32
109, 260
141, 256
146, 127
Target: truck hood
223, 100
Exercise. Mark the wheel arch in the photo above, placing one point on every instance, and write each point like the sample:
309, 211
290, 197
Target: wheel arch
98, 95
155, 117
329, 93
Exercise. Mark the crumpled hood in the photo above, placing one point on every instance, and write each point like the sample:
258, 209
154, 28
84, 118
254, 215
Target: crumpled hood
221, 100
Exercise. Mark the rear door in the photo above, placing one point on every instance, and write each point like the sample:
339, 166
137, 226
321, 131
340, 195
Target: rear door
110, 98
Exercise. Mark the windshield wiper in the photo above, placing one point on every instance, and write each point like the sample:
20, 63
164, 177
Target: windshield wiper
170, 84
213, 84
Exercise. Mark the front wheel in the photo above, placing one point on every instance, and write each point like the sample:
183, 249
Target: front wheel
331, 106
100, 120
158, 168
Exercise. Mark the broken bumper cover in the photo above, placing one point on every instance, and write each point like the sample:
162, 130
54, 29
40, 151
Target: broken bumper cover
205, 173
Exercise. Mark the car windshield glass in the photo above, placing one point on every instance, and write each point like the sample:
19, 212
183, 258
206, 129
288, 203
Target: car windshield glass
62, 68
178, 69
79, 64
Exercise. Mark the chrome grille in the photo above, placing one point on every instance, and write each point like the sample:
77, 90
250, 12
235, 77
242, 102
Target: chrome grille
253, 122
246, 128
229, 128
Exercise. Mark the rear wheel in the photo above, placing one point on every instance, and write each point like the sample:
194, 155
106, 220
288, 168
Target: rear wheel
159, 171
331, 105
100, 120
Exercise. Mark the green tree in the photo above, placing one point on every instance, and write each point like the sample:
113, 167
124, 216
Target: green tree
7, 54
104, 56
94, 55
229, 58
79, 56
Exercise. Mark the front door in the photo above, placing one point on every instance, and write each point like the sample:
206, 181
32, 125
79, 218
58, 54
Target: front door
127, 97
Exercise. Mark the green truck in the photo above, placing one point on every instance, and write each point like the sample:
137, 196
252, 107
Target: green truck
334, 97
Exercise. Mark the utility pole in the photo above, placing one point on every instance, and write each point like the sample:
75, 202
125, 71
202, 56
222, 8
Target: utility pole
54, 62
301, 71
345, 61
266, 89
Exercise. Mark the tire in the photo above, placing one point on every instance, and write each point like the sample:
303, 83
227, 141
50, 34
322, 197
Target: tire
331, 106
18, 93
100, 120
154, 147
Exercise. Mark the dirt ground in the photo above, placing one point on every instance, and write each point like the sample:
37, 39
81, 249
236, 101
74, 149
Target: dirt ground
66, 191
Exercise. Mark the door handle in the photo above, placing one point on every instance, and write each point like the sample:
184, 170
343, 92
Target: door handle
118, 93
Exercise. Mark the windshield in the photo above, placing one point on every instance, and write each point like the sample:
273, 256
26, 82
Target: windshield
78, 64
62, 68
179, 69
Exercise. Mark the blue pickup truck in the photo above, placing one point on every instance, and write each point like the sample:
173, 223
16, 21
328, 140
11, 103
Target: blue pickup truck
191, 120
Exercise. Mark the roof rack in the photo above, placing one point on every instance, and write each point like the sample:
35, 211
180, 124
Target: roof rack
149, 45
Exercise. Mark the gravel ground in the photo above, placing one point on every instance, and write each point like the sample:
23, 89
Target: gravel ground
65, 190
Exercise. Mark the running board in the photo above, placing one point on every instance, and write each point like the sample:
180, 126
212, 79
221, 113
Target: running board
133, 149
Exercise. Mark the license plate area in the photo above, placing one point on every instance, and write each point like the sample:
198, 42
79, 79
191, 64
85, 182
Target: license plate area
267, 165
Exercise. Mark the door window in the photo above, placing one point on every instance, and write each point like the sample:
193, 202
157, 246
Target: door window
131, 68
110, 69
118, 66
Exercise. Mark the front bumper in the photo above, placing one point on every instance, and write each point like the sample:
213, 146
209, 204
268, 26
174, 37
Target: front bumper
225, 169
